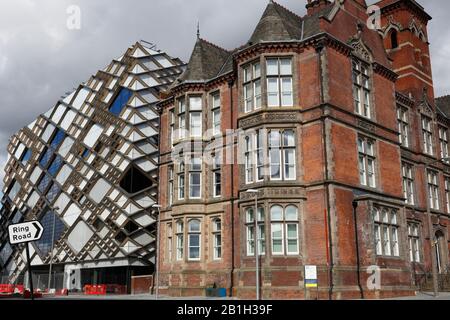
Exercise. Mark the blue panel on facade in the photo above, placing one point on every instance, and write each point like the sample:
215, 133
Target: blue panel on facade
48, 221
46, 157
120, 102
53, 192
57, 139
55, 166
45, 181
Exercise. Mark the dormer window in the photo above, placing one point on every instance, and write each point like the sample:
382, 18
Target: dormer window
361, 89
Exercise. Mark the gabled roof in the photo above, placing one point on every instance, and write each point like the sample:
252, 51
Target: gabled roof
205, 63
443, 105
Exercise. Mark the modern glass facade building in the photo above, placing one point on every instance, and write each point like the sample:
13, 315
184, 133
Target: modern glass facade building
87, 170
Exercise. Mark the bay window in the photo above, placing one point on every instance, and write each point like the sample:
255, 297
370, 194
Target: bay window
282, 155
180, 240
181, 181
284, 230
252, 87
194, 240
181, 119
195, 178
216, 114
250, 231
279, 82
217, 239
195, 114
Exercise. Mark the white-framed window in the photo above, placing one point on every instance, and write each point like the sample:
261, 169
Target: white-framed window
249, 159
169, 241
284, 230
171, 126
279, 82
282, 155
433, 189
408, 183
194, 240
403, 126
252, 86
250, 231
170, 185
217, 175
443, 142
386, 231
216, 114
195, 178
195, 116
414, 242
182, 119
366, 150
361, 89
217, 238
427, 135
181, 181
180, 240
447, 194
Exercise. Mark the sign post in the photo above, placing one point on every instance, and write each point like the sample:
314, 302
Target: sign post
25, 233
311, 278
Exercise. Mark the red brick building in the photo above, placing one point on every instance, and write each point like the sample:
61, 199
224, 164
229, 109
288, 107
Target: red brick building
340, 134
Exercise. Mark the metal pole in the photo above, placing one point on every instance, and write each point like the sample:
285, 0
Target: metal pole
256, 246
51, 254
157, 255
30, 276
431, 233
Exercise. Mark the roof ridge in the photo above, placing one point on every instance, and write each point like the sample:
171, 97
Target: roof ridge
286, 9
213, 45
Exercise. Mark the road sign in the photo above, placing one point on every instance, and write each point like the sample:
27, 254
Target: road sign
25, 232
311, 276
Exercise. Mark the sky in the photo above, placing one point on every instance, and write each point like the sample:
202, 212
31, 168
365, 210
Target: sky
41, 59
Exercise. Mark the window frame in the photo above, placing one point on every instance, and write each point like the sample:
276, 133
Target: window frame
403, 126
279, 78
191, 233
384, 231
408, 182
217, 245
250, 84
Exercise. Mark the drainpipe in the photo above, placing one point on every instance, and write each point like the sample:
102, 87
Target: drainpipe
358, 264
230, 87
329, 237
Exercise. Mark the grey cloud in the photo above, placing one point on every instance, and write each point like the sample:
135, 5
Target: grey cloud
40, 59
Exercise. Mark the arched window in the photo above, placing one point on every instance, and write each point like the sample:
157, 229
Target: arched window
194, 239
394, 39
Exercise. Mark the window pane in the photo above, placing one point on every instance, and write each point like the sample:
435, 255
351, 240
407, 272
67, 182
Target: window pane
291, 213
272, 93
272, 67
195, 103
194, 226
285, 66
276, 213
289, 138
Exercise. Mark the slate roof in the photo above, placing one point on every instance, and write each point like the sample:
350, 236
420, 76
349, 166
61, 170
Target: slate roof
443, 105
277, 23
206, 61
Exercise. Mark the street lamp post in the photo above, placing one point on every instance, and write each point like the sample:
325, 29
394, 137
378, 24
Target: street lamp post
256, 242
430, 228
53, 246
157, 251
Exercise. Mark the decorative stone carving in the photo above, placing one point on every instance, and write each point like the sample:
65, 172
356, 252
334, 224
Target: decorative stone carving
366, 125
